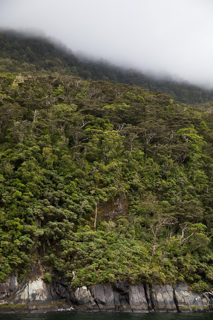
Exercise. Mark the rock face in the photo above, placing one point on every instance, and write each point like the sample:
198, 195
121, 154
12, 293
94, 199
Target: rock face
34, 295
163, 298
188, 301
104, 297
34, 292
137, 299
31, 296
84, 300
112, 210
9, 287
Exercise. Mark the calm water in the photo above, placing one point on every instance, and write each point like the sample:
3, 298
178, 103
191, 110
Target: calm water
107, 316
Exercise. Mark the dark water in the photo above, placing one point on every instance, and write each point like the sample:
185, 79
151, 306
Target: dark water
107, 316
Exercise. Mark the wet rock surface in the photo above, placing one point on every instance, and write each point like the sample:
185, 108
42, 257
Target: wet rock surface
34, 295
113, 209
188, 301
31, 295
163, 298
9, 287
84, 300
137, 299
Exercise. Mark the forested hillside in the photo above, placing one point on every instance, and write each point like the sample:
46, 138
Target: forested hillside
30, 55
74, 152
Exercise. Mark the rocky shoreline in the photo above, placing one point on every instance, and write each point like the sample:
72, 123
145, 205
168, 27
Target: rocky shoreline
34, 295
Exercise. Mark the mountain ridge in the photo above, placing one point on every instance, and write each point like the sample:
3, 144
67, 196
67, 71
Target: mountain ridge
22, 53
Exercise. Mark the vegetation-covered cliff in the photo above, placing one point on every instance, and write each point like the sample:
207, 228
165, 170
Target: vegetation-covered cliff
104, 182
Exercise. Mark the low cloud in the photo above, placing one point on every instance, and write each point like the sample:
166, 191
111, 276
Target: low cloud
167, 37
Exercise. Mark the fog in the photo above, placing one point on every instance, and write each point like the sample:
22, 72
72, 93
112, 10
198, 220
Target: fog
162, 37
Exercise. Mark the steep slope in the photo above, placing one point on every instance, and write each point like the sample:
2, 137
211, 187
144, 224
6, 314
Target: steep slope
21, 53
89, 168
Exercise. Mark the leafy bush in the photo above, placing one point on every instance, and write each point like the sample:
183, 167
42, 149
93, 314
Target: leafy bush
47, 278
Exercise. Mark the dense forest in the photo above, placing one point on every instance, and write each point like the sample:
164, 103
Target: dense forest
103, 182
25, 54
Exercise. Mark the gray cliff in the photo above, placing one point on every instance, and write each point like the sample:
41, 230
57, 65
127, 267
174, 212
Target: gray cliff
34, 295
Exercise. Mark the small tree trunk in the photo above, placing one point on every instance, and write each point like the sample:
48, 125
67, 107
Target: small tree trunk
153, 249
96, 215
35, 115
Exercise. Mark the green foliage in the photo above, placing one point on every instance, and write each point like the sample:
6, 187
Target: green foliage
47, 278
200, 286
69, 147
30, 55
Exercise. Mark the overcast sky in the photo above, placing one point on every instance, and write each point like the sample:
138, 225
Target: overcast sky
162, 36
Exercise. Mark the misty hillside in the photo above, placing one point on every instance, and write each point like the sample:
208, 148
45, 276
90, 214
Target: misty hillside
24, 54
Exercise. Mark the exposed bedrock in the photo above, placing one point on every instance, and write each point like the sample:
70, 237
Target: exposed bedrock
34, 295
162, 298
142, 298
83, 299
8, 287
31, 295
120, 297
137, 299
104, 297
190, 301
